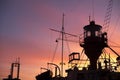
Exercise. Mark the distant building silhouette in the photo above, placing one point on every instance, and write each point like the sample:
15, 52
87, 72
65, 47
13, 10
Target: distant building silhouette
17, 65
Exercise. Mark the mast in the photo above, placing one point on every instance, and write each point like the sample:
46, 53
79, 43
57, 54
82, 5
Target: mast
62, 38
62, 63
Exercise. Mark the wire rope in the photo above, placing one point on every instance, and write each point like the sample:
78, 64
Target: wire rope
54, 53
67, 44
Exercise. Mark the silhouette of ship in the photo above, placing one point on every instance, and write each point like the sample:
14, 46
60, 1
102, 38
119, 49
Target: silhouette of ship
99, 63
94, 43
99, 68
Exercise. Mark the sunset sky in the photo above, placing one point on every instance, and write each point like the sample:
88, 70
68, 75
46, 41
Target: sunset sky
25, 31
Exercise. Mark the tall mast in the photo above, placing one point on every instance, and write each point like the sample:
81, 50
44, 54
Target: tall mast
62, 63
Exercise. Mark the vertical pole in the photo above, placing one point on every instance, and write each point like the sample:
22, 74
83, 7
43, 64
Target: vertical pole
105, 62
109, 62
12, 70
18, 70
62, 45
55, 71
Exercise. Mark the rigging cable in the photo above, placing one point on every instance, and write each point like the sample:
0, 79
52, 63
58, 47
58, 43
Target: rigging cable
108, 13
114, 42
117, 21
67, 44
82, 57
108, 55
55, 49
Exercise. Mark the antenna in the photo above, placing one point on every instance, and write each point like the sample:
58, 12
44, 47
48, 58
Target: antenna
89, 18
93, 18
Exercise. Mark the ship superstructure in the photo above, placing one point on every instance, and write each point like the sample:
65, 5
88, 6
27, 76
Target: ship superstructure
98, 64
94, 43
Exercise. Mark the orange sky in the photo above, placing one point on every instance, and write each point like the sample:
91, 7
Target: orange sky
24, 30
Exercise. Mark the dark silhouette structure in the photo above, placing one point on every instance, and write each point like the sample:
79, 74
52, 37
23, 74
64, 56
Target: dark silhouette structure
13, 65
44, 76
94, 42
